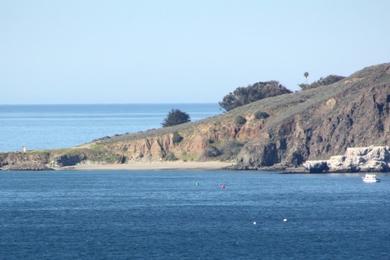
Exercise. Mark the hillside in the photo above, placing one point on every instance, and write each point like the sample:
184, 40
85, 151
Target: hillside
311, 124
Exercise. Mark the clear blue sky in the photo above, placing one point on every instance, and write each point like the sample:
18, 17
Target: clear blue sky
179, 51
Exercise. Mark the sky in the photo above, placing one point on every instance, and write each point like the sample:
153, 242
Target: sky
90, 51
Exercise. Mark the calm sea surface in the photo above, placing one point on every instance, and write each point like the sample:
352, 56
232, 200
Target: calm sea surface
166, 215
55, 126
175, 214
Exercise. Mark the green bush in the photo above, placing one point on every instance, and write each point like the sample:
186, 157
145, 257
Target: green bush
170, 157
230, 150
261, 115
175, 117
240, 120
245, 95
322, 82
177, 138
212, 151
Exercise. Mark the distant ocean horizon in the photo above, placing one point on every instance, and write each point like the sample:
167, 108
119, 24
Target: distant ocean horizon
50, 126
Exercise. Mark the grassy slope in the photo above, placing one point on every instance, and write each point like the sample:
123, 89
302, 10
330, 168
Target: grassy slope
279, 107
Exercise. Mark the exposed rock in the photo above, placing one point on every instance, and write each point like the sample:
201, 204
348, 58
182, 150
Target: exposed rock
316, 166
358, 159
27, 166
24, 161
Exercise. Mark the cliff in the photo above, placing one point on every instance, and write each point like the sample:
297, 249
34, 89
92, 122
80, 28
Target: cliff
312, 124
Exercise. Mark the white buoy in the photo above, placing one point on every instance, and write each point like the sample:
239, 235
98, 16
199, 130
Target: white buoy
254, 223
284, 220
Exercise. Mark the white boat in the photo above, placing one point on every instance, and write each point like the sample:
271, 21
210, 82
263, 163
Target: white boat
370, 178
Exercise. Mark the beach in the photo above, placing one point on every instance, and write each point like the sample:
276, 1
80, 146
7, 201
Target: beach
151, 165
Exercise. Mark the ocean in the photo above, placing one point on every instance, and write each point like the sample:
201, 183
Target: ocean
58, 126
186, 215
181, 214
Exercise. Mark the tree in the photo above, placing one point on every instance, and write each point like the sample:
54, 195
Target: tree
244, 95
306, 75
175, 117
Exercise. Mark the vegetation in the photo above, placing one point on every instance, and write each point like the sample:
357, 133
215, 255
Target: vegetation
96, 153
261, 115
322, 82
230, 150
245, 95
240, 120
176, 138
170, 157
212, 151
175, 117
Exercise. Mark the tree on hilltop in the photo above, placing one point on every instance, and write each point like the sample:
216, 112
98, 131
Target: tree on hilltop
245, 95
175, 117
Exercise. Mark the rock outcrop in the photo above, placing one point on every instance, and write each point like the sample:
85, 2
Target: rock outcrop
357, 159
25, 161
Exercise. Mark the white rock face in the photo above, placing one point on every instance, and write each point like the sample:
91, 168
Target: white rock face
316, 166
357, 159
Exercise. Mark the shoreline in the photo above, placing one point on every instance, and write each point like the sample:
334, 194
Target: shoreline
153, 165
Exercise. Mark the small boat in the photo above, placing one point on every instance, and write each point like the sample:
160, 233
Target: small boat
370, 178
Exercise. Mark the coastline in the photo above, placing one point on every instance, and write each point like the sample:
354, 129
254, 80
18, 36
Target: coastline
151, 165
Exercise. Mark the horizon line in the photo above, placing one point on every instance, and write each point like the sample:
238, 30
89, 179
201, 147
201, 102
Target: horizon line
86, 104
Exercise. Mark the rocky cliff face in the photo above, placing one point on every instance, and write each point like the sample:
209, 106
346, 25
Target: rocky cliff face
307, 125
353, 112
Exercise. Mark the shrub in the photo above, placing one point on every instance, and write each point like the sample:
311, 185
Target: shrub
170, 157
322, 82
240, 120
212, 151
304, 86
297, 158
261, 115
230, 150
244, 95
175, 117
210, 141
176, 138
71, 159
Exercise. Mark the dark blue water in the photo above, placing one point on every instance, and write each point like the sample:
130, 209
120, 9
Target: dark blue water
164, 215
55, 126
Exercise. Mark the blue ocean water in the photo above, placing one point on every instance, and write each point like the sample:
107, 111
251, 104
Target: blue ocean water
56, 126
165, 215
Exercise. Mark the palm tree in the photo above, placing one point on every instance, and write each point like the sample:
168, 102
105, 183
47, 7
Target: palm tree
306, 74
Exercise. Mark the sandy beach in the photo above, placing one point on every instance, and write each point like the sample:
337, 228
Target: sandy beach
163, 165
